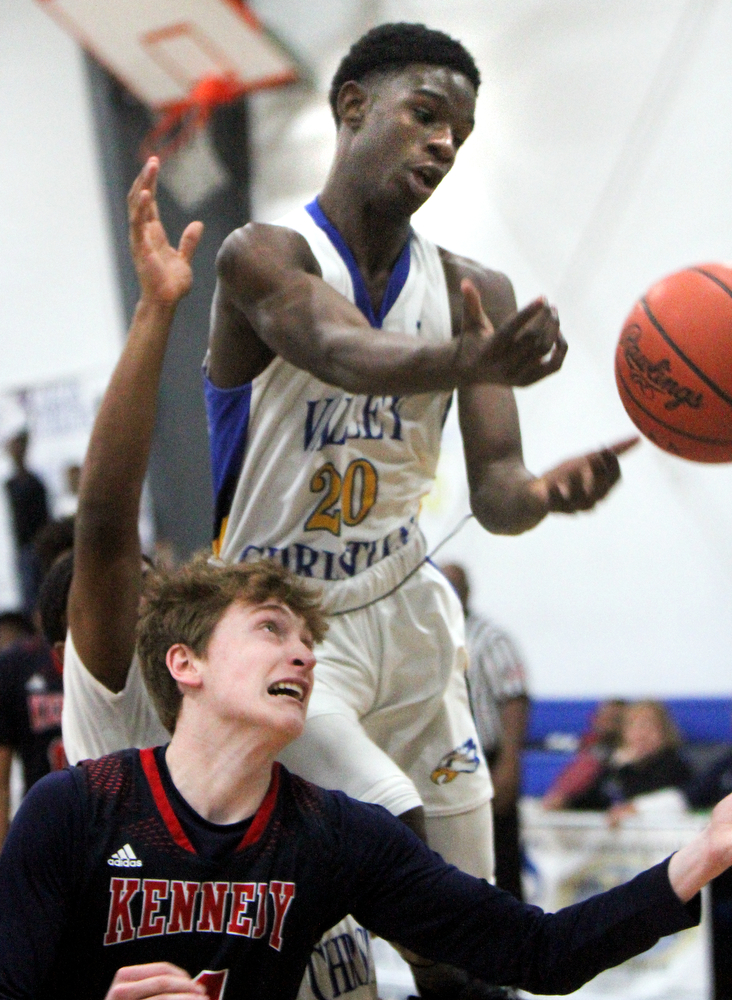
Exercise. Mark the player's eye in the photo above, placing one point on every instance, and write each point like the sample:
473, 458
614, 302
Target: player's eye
424, 115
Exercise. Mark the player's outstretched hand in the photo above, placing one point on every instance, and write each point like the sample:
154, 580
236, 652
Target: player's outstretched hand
526, 348
706, 856
579, 483
154, 981
164, 273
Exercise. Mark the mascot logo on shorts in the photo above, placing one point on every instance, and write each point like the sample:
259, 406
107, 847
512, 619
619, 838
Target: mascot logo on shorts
462, 760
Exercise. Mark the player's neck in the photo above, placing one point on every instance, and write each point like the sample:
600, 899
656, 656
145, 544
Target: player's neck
375, 233
222, 775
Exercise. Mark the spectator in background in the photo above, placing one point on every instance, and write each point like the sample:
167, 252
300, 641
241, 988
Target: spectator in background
711, 785
67, 503
31, 700
596, 747
14, 626
500, 704
29, 513
647, 759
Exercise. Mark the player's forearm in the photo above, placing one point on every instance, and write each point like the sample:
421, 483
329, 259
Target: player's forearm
375, 363
330, 339
503, 497
119, 447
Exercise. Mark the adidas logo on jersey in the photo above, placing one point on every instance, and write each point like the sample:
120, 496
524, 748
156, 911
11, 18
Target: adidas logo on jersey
124, 858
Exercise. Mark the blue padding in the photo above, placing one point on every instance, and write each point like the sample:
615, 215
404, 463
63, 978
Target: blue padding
555, 716
539, 768
700, 720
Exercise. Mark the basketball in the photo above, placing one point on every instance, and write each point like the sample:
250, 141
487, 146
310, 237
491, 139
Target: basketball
673, 364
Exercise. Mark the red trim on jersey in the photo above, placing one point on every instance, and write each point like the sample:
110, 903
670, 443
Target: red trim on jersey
57, 662
263, 814
258, 824
150, 767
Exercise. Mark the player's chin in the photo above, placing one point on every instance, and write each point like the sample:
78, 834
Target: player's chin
291, 722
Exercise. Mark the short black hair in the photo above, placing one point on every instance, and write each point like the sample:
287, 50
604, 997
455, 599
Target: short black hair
393, 46
52, 540
19, 622
54, 596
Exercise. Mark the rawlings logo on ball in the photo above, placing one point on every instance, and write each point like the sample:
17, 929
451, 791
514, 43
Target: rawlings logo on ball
653, 377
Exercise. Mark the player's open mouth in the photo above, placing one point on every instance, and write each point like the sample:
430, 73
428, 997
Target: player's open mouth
429, 176
289, 688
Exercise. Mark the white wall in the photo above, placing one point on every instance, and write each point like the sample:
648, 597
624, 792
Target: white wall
60, 320
60, 313
600, 162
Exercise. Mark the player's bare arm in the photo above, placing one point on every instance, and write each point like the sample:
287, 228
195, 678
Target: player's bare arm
505, 497
706, 856
272, 300
106, 583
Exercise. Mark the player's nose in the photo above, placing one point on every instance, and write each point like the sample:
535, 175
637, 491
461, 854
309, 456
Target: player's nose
302, 656
442, 145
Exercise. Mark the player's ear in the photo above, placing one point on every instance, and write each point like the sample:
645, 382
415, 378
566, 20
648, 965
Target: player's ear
183, 665
351, 104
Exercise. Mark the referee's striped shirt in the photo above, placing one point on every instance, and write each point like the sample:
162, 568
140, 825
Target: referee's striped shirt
495, 674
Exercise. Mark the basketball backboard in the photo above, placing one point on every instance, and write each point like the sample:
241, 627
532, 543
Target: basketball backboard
161, 50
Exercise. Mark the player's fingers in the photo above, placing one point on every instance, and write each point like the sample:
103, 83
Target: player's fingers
190, 239
474, 315
600, 473
171, 986
543, 322
537, 346
145, 180
550, 361
560, 498
153, 165
138, 183
533, 370
153, 989
128, 973
521, 317
620, 447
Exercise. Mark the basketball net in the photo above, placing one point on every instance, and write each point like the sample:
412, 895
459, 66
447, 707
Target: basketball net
181, 60
180, 121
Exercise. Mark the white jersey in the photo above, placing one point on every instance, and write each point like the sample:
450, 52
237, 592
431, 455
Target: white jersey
326, 481
96, 721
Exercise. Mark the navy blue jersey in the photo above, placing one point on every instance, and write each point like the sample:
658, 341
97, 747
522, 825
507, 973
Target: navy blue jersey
31, 697
104, 868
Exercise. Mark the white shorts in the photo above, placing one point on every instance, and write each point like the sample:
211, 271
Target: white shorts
389, 719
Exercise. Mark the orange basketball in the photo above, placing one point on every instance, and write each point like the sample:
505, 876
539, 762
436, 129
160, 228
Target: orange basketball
673, 365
